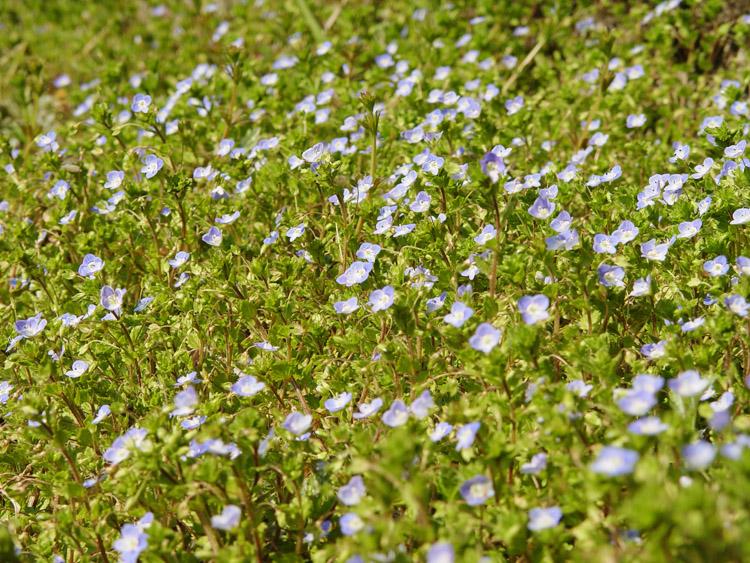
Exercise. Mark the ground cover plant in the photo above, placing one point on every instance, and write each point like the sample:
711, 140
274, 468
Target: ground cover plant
374, 281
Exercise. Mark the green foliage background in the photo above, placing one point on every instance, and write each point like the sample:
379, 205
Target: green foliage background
244, 291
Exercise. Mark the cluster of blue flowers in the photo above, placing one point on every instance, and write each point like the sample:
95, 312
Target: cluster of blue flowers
377, 296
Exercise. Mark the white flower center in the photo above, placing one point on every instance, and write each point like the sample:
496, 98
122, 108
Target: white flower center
479, 490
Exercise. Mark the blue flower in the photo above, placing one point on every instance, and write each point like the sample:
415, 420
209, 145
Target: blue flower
421, 203
653, 251
435, 303
5, 390
562, 222
471, 271
441, 552
338, 402
625, 233
716, 267
213, 237
549, 192
568, 173
611, 276
459, 314
604, 244
368, 251
59, 190
698, 455
346, 307
141, 103
46, 141
442, 429
732, 450
485, 338
266, 346
355, 274
647, 426
353, 492
227, 219
293, 233
466, 434
692, 325
191, 377
635, 120
228, 519
103, 412
537, 464
366, 410
598, 139
421, 405
514, 105
724, 403
735, 151
396, 415
740, 216
420, 277
493, 166
28, 328
637, 402
614, 461
542, 208
381, 299
488, 233
477, 490
688, 229
414, 135
224, 147
142, 304
297, 423
681, 152
88, 483
655, 350
641, 287
65, 219
179, 259
247, 386
737, 304
193, 422
123, 446
213, 447
91, 265
151, 166
383, 226
204, 173
433, 164
579, 388
351, 524
184, 402
533, 308
567, 239
402, 230
613, 174
68, 319
464, 290
544, 518
111, 299
78, 368
703, 168
688, 383
132, 541
648, 383
181, 280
